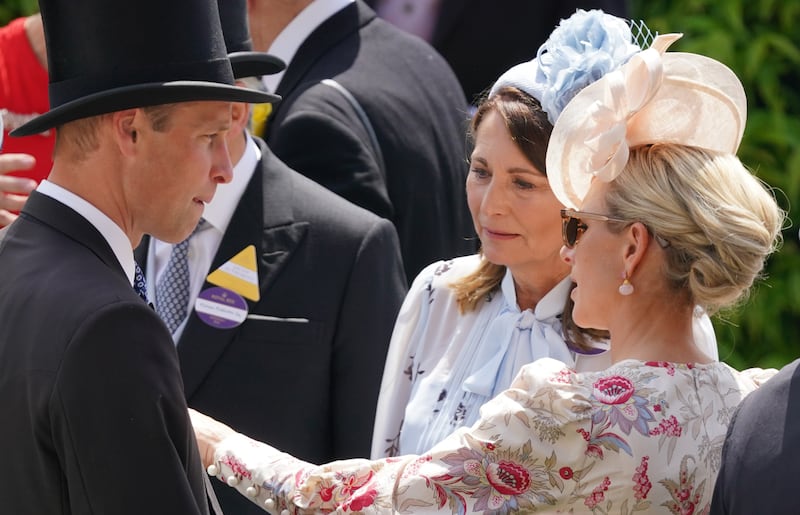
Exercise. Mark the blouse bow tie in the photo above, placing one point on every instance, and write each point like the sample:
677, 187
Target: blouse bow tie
512, 340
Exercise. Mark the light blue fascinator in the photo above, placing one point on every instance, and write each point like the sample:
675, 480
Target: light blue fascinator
582, 49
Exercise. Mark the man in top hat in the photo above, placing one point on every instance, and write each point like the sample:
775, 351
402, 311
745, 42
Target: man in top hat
303, 368
86, 366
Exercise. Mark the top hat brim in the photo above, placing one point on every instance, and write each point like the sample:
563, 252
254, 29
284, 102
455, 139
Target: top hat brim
141, 95
255, 64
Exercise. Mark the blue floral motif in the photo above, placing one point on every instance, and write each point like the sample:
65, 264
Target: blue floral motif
582, 49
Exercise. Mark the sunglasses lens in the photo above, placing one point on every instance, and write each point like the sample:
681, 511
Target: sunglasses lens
571, 228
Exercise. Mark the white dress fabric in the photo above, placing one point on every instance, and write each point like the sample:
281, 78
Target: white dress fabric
443, 365
638, 437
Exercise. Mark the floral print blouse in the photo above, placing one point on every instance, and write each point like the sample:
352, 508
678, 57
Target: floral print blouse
637, 437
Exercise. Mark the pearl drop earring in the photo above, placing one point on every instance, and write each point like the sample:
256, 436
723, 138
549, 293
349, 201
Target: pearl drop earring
626, 288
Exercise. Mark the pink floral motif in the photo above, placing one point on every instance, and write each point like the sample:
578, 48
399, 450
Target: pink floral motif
508, 478
613, 390
597, 496
501, 481
326, 493
643, 484
668, 427
686, 495
236, 466
566, 473
619, 406
563, 376
350, 492
362, 501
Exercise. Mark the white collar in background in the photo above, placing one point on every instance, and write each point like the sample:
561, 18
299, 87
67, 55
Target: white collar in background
297, 31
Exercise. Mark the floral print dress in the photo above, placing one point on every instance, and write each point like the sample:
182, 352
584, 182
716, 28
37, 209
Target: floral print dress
639, 437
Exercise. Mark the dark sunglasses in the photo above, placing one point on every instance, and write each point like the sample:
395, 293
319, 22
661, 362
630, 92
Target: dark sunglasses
572, 226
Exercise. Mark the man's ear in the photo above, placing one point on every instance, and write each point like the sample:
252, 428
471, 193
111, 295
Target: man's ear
126, 126
240, 116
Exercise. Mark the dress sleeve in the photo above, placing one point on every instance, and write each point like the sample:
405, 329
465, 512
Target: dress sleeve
513, 459
397, 380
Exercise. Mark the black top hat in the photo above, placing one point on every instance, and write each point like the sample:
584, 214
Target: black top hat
245, 62
106, 56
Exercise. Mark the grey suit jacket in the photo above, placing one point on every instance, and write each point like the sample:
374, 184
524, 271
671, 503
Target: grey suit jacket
758, 473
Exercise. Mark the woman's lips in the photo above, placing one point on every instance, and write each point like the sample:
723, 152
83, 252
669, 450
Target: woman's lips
499, 235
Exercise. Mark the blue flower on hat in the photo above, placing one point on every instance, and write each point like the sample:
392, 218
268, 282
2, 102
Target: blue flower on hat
582, 49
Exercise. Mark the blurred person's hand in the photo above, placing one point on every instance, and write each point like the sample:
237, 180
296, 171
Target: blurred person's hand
14, 190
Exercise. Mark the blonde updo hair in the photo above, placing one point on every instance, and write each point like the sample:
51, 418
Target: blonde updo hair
719, 220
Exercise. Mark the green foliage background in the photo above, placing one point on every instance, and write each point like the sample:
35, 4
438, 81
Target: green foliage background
10, 9
760, 41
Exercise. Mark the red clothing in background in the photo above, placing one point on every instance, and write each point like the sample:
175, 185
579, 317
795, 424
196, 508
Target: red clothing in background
23, 95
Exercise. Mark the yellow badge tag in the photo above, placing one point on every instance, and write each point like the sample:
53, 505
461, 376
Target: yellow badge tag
239, 274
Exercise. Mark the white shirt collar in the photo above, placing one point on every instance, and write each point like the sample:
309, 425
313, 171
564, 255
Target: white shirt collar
117, 239
549, 306
220, 210
297, 31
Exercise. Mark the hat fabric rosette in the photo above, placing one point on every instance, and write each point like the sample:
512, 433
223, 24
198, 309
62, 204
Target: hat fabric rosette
109, 56
656, 97
580, 50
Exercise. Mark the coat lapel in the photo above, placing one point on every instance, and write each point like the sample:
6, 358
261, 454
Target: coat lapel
263, 218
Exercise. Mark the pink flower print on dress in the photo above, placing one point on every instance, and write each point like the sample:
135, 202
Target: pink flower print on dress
643, 485
620, 406
597, 496
508, 478
613, 390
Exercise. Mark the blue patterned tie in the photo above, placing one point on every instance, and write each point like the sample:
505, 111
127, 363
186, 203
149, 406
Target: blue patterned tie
172, 289
139, 285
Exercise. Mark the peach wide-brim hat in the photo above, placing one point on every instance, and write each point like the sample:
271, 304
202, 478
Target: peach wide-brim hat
655, 97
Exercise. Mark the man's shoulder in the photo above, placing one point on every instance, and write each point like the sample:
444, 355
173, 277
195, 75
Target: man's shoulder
767, 399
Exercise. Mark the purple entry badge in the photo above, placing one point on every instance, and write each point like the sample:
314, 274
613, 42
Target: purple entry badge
221, 308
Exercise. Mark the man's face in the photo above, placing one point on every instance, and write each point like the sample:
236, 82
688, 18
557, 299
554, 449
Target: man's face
177, 168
